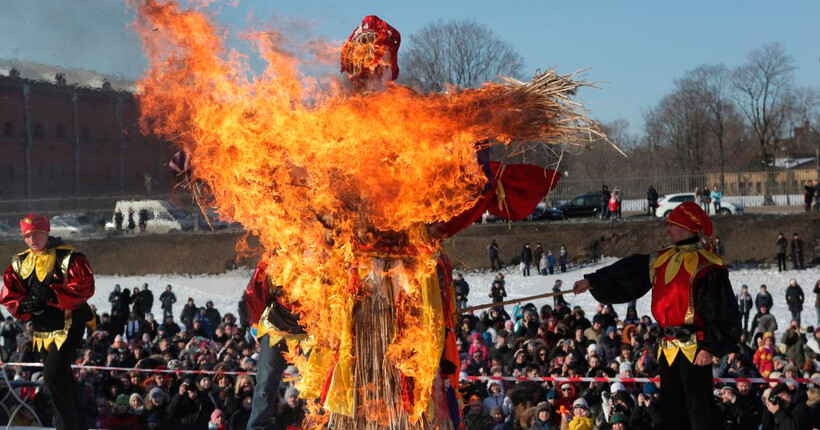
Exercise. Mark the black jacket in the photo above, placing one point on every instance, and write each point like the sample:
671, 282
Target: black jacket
794, 298
167, 298
761, 300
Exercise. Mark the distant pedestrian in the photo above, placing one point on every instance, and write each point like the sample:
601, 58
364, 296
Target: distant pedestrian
537, 252
526, 259
145, 301
551, 262
495, 262
797, 252
716, 195
605, 196
782, 245
462, 289
118, 219
794, 299
745, 304
143, 219
497, 291
167, 298
615, 204
651, 201
719, 249
131, 223
763, 299
544, 265
705, 198
563, 257
808, 195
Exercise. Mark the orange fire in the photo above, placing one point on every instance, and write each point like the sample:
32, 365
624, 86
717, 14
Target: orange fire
315, 170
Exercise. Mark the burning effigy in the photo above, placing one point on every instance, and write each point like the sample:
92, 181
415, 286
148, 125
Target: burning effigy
351, 189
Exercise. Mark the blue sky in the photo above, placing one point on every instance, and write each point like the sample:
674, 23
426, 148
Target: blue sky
635, 49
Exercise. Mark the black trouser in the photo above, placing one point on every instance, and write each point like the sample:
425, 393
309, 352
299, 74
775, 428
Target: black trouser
686, 395
59, 381
746, 320
781, 262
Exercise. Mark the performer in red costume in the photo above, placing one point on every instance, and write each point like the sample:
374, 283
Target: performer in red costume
50, 284
693, 302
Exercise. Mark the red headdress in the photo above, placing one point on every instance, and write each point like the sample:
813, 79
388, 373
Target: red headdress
34, 222
373, 44
691, 216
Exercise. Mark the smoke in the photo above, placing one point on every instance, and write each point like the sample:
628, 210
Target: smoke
82, 34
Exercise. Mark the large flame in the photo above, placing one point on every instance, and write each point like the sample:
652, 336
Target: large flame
313, 169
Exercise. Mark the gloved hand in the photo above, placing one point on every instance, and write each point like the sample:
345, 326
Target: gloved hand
31, 305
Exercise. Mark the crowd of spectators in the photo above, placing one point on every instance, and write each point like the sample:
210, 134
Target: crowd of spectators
128, 336
556, 340
561, 340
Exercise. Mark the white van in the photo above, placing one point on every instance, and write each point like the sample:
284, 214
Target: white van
162, 216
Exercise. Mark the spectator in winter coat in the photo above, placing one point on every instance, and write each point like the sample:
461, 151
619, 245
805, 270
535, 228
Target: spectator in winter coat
218, 421
744, 304
544, 265
782, 244
580, 418
495, 397
145, 301
763, 299
651, 201
647, 412
189, 311
239, 419
611, 347
563, 257
462, 290
797, 252
719, 250
794, 299
795, 343
789, 412
123, 418
186, 410
526, 259
543, 417
495, 261
605, 196
615, 204
716, 195
213, 315
551, 262
167, 299
497, 291
764, 355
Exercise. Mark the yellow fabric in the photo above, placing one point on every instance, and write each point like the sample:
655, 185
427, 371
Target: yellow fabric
40, 263
581, 423
499, 191
670, 349
44, 339
685, 256
340, 393
313, 379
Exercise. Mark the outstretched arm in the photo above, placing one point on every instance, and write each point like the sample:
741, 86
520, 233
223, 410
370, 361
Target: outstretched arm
625, 280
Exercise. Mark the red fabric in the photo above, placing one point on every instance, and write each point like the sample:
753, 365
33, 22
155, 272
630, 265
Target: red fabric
12, 293
524, 185
691, 216
671, 301
386, 43
257, 294
34, 222
124, 421
78, 286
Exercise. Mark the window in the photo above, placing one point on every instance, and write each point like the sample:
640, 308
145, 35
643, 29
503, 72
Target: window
8, 129
578, 201
677, 199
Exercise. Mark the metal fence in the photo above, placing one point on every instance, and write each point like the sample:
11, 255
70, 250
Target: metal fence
748, 187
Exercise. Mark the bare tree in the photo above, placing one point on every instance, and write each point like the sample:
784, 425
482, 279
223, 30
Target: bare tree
763, 88
459, 52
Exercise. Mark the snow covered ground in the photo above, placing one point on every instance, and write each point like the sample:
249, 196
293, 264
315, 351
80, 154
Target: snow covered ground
226, 289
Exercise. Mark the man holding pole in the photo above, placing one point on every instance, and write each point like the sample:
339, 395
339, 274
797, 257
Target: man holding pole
692, 300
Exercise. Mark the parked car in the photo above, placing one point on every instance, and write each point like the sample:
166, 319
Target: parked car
671, 201
163, 217
71, 224
587, 204
541, 213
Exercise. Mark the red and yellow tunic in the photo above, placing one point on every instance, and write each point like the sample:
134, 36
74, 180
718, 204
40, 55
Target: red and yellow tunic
674, 272
68, 274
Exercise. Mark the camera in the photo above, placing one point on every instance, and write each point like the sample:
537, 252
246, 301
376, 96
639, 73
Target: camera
774, 400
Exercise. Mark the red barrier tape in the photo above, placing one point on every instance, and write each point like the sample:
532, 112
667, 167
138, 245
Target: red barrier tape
468, 378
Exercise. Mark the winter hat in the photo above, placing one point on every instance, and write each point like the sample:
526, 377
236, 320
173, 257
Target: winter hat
216, 414
592, 347
626, 367
122, 400
615, 387
133, 396
153, 419
650, 389
792, 368
610, 329
155, 392
552, 394
617, 418
580, 403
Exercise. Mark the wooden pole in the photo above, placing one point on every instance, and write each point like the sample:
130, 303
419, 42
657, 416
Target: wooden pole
515, 301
